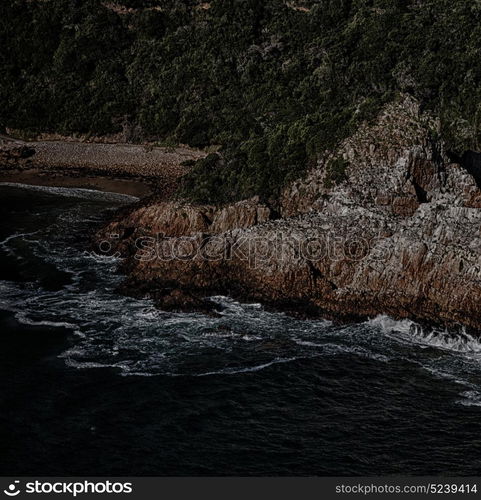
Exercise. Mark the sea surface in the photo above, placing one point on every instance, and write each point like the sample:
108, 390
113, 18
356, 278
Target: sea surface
95, 383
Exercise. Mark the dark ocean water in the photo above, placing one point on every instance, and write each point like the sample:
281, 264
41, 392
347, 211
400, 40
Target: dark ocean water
93, 383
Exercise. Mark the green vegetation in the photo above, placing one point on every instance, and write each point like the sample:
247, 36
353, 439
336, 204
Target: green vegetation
275, 86
336, 172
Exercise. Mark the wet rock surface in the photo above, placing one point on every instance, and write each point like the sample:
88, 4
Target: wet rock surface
398, 234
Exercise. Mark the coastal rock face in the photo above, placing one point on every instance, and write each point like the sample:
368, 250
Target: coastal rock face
176, 219
385, 224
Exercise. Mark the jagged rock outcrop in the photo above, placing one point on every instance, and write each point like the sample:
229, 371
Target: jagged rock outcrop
178, 219
385, 224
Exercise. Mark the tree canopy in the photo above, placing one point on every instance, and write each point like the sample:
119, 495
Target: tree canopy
274, 83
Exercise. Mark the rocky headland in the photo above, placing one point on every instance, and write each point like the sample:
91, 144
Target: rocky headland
388, 223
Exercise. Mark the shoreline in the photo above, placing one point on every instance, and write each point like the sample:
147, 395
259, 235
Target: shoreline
133, 169
137, 188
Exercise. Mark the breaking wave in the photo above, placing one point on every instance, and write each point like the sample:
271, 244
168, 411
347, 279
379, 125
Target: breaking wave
442, 338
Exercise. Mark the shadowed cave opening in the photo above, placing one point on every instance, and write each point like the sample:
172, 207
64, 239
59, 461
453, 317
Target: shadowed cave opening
421, 194
471, 161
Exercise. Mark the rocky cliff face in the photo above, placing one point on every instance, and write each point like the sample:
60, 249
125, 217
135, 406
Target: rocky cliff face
385, 224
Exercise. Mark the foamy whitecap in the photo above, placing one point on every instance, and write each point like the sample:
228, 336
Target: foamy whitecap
248, 369
22, 317
80, 193
459, 341
470, 398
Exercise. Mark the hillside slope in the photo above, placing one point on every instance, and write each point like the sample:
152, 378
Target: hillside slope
275, 83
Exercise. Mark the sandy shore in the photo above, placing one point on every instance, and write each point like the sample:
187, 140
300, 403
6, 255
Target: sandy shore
37, 177
127, 168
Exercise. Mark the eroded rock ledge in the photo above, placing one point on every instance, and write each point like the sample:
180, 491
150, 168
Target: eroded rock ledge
395, 230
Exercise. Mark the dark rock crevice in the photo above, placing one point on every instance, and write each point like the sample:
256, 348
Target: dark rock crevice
421, 194
471, 162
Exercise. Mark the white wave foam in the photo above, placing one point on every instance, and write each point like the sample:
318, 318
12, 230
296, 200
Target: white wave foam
234, 371
231, 306
470, 398
251, 338
84, 365
388, 324
22, 318
81, 193
4, 242
335, 349
460, 341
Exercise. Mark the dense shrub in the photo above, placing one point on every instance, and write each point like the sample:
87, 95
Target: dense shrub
274, 85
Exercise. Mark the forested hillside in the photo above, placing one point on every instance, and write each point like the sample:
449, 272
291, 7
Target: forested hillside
274, 83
